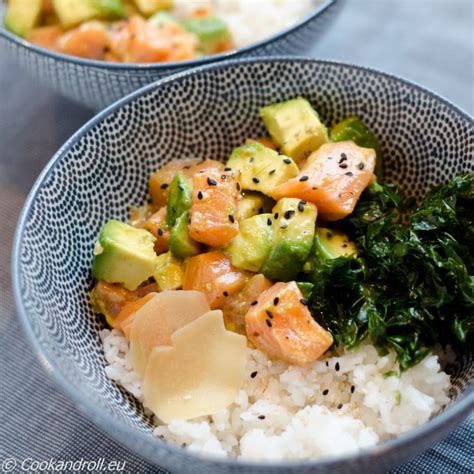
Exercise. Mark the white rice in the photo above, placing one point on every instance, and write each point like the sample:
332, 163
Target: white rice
286, 412
252, 20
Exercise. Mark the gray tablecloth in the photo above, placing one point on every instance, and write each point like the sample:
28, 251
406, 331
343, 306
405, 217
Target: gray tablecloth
428, 41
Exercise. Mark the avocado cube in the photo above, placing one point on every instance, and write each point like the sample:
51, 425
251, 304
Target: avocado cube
293, 235
179, 198
162, 18
211, 32
181, 245
261, 168
295, 127
22, 16
124, 254
330, 243
73, 12
148, 7
249, 249
354, 129
252, 204
169, 272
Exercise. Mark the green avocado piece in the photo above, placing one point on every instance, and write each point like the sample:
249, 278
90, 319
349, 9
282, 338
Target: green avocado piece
293, 235
261, 168
179, 198
124, 254
73, 12
162, 18
181, 245
295, 127
352, 128
148, 7
306, 288
252, 204
211, 32
329, 244
249, 249
22, 16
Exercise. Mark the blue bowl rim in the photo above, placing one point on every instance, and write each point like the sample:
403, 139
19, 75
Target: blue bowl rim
325, 6
119, 430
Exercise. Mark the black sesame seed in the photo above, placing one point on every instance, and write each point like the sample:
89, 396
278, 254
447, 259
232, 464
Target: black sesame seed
227, 169
287, 161
343, 156
180, 187
187, 167
314, 188
160, 232
352, 389
275, 215
327, 364
253, 303
329, 235
231, 218
349, 173
261, 417
164, 185
271, 172
255, 180
269, 323
211, 182
224, 176
343, 165
253, 374
173, 208
304, 301
361, 166
301, 206
283, 226
238, 186
251, 159
339, 406
189, 218
225, 293
269, 313
325, 392
200, 195
344, 246
304, 178
289, 213
337, 366
329, 158
276, 300
269, 221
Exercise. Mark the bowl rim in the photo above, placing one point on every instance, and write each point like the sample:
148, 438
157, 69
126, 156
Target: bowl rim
323, 7
142, 443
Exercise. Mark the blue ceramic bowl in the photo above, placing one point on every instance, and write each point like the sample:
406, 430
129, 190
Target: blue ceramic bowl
97, 84
105, 166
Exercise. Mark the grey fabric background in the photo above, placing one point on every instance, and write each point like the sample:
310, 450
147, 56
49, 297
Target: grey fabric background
428, 41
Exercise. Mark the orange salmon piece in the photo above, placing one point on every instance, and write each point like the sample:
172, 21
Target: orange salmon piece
213, 274
90, 40
281, 325
46, 36
125, 318
214, 219
157, 226
333, 178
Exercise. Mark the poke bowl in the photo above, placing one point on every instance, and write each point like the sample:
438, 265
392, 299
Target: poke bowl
391, 388
97, 62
